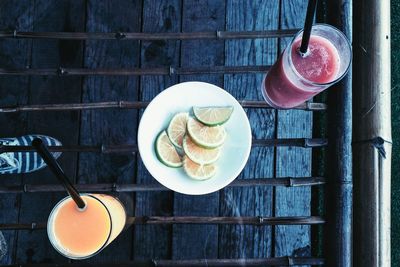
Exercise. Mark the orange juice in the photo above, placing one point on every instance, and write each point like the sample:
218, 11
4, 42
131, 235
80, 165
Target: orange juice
81, 234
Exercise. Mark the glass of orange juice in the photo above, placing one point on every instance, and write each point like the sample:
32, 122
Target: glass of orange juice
80, 234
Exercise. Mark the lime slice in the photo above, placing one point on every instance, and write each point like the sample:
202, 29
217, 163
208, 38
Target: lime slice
206, 136
199, 154
197, 171
212, 116
177, 128
166, 151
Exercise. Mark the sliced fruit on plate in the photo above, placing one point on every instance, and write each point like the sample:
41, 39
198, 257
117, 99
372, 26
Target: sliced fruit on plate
177, 128
212, 116
199, 154
197, 171
166, 151
206, 136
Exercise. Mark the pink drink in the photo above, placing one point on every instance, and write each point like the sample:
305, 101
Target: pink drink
293, 79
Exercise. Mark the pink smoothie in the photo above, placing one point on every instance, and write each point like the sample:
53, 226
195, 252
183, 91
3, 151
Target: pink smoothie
285, 89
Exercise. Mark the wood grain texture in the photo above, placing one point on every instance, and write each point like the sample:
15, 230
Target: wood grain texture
293, 240
13, 54
57, 16
154, 242
195, 241
98, 127
248, 241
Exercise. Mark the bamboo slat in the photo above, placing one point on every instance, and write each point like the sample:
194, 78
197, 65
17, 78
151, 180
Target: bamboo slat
372, 133
144, 36
169, 70
132, 148
147, 220
112, 187
310, 106
278, 261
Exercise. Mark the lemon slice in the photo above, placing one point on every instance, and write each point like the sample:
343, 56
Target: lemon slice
206, 136
166, 151
197, 171
199, 154
177, 128
212, 116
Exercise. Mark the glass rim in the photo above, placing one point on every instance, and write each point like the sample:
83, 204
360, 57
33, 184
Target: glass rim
337, 78
53, 239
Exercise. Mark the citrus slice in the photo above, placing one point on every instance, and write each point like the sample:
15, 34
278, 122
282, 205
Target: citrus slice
197, 171
166, 151
177, 128
212, 116
206, 136
199, 154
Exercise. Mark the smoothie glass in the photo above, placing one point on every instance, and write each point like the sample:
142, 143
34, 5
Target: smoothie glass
80, 234
294, 79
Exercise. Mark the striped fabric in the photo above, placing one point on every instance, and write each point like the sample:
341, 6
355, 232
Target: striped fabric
24, 162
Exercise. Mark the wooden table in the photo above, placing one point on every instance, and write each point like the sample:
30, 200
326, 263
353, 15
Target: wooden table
45, 78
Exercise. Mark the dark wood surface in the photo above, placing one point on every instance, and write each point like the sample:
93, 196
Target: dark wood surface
293, 240
14, 53
112, 127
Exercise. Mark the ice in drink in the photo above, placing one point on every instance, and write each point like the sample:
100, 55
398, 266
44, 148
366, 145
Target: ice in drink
81, 234
294, 79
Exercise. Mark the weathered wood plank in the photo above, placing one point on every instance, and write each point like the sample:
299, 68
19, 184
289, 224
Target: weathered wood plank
154, 242
248, 241
195, 241
13, 54
293, 240
51, 16
108, 127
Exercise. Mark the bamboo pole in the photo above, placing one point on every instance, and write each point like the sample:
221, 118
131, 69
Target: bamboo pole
216, 35
372, 133
278, 261
147, 220
168, 70
113, 187
310, 106
339, 228
132, 148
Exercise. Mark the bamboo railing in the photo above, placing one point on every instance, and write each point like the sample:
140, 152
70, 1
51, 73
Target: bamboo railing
340, 244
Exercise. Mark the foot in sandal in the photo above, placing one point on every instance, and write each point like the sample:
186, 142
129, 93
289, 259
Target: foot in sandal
24, 162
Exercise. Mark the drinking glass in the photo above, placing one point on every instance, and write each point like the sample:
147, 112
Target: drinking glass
81, 234
294, 78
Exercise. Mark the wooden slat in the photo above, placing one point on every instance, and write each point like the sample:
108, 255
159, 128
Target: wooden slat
14, 54
294, 240
247, 241
158, 16
96, 126
199, 241
155, 35
34, 246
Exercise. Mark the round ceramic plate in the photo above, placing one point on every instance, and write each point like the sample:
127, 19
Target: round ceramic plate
182, 97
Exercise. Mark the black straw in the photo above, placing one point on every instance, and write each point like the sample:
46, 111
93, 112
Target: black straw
312, 4
58, 172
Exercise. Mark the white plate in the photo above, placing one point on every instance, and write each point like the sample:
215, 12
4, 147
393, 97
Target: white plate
182, 97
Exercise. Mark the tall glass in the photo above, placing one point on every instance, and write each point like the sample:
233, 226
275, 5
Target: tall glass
294, 79
80, 234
